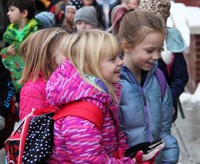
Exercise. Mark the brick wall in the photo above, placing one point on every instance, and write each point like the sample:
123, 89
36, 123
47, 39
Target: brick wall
189, 2
193, 62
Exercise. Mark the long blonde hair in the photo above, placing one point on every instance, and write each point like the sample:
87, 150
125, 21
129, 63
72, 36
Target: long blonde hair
37, 51
86, 50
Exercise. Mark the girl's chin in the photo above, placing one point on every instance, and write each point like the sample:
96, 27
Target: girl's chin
149, 67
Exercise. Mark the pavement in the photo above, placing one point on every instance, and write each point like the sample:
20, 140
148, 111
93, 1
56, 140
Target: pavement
187, 132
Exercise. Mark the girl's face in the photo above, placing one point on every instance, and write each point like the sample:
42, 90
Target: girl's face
144, 55
87, 2
133, 4
71, 14
82, 26
14, 14
110, 68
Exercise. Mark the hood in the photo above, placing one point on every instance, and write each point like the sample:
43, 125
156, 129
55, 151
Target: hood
166, 55
174, 41
66, 85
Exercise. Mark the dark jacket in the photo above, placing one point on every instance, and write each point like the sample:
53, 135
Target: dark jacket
176, 72
6, 95
6, 90
177, 77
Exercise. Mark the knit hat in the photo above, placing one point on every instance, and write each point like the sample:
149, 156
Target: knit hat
160, 7
87, 14
47, 19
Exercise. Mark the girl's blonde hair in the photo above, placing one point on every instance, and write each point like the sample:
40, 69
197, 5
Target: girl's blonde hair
38, 50
133, 25
87, 49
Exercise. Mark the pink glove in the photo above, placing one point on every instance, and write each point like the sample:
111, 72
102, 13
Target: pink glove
149, 157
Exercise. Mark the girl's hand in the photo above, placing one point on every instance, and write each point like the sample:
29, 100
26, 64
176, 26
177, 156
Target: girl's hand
150, 157
11, 50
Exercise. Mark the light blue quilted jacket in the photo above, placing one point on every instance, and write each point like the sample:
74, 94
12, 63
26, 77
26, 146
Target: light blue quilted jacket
145, 116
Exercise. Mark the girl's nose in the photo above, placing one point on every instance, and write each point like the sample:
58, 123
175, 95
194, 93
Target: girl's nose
83, 25
156, 55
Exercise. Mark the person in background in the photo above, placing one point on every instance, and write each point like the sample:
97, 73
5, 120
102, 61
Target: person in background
172, 63
98, 10
7, 91
90, 73
7, 118
106, 7
145, 115
22, 24
41, 53
68, 22
131, 4
86, 18
58, 9
46, 18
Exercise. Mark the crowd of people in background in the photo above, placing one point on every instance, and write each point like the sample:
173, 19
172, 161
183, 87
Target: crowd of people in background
105, 52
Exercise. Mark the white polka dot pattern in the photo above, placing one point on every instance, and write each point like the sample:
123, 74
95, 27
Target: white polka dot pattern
39, 141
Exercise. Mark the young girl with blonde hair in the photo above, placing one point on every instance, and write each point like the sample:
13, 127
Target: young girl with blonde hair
90, 73
41, 53
145, 114
68, 22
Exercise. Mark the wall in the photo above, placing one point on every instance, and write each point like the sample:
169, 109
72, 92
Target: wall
193, 56
187, 20
193, 62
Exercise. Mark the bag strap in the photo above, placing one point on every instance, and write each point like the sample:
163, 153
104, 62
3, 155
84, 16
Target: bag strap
44, 111
162, 81
82, 109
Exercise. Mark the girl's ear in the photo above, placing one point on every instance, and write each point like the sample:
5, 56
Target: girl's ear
126, 47
25, 13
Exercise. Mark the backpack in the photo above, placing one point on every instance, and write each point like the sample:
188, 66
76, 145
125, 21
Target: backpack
32, 141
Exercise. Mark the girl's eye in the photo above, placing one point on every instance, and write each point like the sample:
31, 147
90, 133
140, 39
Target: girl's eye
112, 59
149, 51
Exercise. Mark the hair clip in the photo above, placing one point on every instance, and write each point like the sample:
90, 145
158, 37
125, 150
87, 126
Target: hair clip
60, 31
57, 34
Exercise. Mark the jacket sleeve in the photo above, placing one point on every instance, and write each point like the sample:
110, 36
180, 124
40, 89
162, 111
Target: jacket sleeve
6, 89
30, 97
179, 76
171, 149
86, 139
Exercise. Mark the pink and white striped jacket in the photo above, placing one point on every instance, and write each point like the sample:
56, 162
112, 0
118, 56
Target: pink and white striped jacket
77, 140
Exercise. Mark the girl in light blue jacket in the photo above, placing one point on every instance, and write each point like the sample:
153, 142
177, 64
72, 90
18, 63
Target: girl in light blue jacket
145, 114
